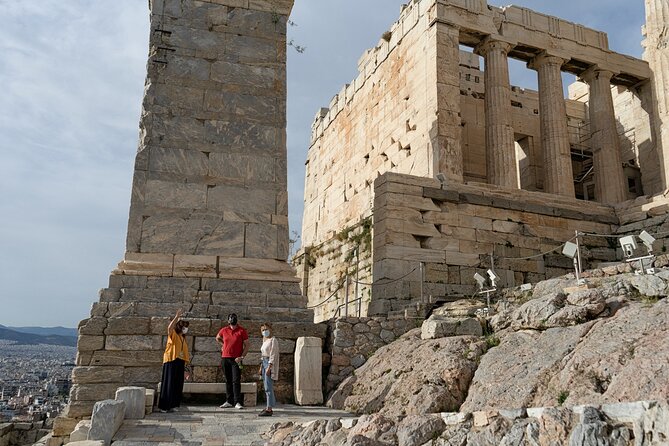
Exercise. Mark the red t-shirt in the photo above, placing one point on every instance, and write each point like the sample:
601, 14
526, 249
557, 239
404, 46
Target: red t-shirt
233, 341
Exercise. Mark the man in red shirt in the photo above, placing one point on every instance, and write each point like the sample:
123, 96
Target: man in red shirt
234, 341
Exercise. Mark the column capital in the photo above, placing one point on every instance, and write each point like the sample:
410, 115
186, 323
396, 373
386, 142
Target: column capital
545, 58
492, 43
595, 73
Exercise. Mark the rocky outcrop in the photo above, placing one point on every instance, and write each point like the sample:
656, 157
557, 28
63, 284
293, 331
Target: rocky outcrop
412, 376
643, 423
556, 345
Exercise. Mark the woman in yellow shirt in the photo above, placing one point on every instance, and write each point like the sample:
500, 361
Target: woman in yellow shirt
175, 359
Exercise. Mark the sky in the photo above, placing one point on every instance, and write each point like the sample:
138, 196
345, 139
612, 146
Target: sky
72, 75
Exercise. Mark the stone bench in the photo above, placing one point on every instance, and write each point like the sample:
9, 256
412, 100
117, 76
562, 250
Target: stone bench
249, 391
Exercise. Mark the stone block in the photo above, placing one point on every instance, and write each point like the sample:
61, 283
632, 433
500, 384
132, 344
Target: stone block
94, 326
106, 419
134, 399
128, 326
194, 266
131, 342
93, 375
95, 391
80, 432
124, 357
86, 343
308, 385
62, 426
54, 441
142, 375
206, 344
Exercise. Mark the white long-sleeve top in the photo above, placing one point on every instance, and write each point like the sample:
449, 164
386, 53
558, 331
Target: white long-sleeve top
270, 349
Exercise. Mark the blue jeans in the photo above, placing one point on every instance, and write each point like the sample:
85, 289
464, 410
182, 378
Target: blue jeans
269, 384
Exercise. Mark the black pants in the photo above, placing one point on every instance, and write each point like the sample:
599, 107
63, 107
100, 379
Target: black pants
172, 386
233, 381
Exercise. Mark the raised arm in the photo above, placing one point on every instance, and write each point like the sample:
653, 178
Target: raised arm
173, 323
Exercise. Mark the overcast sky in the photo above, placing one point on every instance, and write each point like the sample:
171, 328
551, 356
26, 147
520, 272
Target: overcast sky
72, 76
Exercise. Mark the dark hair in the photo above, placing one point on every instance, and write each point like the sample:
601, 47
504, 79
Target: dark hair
266, 325
180, 326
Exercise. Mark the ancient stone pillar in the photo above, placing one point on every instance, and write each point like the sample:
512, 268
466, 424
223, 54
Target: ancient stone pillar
208, 226
558, 175
656, 52
501, 151
608, 170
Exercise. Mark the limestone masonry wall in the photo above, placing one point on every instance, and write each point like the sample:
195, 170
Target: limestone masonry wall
324, 270
352, 340
123, 340
381, 121
454, 230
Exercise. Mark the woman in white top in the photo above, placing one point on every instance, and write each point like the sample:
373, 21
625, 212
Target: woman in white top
269, 368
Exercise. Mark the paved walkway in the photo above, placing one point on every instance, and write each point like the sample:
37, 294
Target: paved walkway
211, 426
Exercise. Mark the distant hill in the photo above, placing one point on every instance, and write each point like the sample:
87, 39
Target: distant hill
33, 339
45, 331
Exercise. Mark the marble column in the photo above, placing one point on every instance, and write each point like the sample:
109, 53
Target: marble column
501, 151
610, 184
558, 174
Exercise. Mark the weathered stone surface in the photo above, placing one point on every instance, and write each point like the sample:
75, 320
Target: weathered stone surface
432, 376
107, 417
133, 343
439, 327
80, 432
604, 361
134, 399
308, 366
93, 375
63, 425
127, 326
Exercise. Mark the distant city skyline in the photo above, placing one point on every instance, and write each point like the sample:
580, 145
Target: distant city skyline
74, 76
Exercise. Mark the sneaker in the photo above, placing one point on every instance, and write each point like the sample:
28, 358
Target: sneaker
163, 411
238, 406
265, 413
225, 405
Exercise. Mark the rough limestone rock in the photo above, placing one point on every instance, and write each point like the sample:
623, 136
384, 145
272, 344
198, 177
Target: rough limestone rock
416, 430
620, 358
610, 425
135, 401
557, 309
106, 419
412, 376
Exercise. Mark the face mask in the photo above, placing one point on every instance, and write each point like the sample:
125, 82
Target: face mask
265, 333
185, 330
232, 320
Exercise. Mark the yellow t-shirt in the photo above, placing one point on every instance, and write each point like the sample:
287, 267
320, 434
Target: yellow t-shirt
176, 348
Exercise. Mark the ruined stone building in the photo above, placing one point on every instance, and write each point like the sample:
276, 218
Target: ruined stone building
419, 170
427, 164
